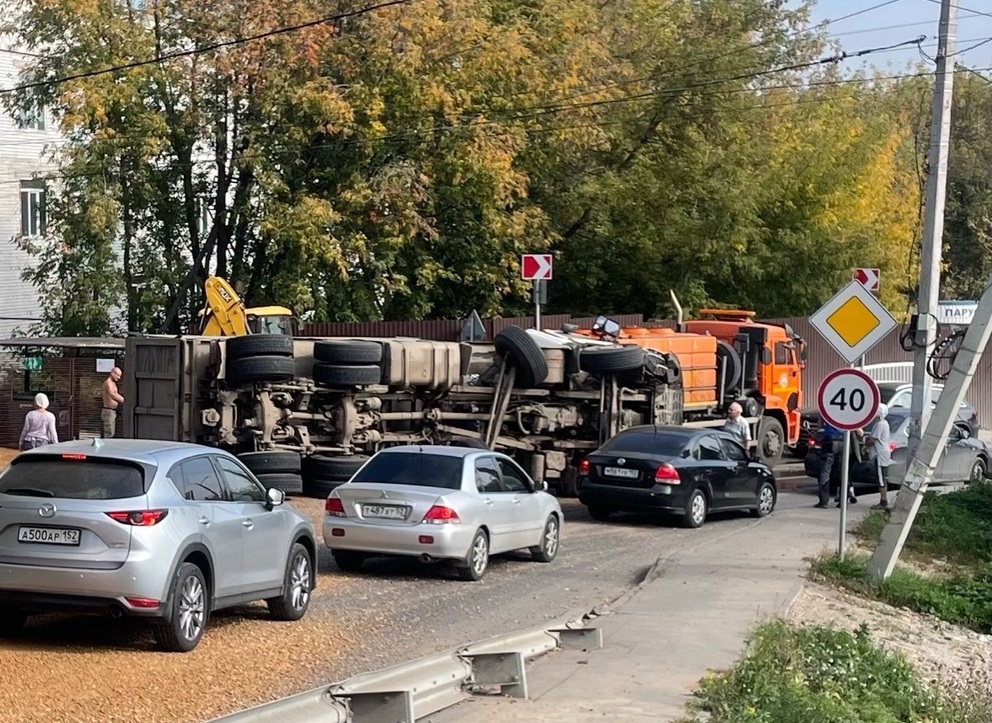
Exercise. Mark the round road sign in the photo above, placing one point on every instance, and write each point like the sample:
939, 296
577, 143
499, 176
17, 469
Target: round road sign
847, 399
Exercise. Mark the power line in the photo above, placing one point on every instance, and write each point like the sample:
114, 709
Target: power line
206, 48
415, 132
962, 7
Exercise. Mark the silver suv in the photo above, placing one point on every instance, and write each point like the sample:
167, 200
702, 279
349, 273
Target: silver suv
147, 529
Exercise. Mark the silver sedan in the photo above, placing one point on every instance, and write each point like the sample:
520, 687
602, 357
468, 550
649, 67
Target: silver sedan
441, 504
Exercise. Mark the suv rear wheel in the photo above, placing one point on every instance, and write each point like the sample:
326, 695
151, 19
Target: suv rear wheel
183, 629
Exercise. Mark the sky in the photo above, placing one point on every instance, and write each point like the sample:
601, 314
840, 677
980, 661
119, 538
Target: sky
886, 23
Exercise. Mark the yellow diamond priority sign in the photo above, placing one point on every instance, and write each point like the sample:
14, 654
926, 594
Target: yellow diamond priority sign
853, 321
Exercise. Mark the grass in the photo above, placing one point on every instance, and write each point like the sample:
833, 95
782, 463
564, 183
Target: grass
822, 675
962, 598
956, 527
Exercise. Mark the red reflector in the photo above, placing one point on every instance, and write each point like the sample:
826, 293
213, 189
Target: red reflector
426, 540
334, 507
74, 455
141, 602
439, 515
139, 518
337, 532
584, 467
666, 474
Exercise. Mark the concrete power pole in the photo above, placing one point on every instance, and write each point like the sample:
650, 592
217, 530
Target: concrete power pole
933, 231
923, 459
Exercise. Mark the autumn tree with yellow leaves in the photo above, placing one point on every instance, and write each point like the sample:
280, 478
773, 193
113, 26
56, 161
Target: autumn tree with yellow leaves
394, 160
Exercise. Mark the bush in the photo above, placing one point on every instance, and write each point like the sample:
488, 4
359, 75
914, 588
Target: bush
822, 675
963, 599
956, 526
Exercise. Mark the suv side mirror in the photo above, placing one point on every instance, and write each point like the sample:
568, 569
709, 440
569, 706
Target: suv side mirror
541, 486
274, 497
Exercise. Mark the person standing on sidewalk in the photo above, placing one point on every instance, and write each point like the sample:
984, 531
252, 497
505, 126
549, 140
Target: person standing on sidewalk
830, 442
881, 454
39, 426
112, 399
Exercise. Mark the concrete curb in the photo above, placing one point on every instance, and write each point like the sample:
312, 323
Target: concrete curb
790, 598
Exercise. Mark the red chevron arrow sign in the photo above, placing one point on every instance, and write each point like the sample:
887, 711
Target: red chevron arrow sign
534, 267
869, 278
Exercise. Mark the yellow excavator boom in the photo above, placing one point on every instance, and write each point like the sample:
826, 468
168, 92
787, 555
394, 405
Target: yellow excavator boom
225, 314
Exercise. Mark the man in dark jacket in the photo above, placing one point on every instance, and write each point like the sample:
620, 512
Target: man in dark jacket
831, 443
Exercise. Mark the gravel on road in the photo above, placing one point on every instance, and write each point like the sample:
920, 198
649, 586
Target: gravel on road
84, 670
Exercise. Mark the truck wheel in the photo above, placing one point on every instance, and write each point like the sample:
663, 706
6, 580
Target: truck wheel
610, 360
242, 347
275, 462
518, 346
568, 483
291, 484
260, 369
333, 375
335, 469
771, 441
347, 352
319, 489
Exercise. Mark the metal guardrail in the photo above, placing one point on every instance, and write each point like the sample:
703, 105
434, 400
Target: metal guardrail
410, 691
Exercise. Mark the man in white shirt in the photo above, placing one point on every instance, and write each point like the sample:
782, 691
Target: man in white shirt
736, 424
880, 453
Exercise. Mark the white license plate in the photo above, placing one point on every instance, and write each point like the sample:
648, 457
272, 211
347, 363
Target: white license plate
48, 535
621, 472
384, 512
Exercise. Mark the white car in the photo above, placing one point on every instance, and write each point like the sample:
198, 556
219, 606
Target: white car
441, 504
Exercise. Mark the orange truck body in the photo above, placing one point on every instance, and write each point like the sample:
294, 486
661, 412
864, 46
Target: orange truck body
726, 356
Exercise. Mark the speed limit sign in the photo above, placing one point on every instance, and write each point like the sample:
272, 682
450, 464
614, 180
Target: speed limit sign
847, 399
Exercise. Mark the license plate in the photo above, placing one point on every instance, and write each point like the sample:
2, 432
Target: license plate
385, 512
621, 472
48, 535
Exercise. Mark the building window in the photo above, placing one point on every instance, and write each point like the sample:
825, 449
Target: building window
204, 216
33, 208
32, 118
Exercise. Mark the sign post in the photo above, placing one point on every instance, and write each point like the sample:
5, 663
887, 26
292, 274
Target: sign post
847, 399
537, 268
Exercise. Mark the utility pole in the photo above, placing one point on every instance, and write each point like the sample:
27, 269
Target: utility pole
923, 457
921, 466
928, 296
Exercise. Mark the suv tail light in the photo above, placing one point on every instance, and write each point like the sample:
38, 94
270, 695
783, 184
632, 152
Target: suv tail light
667, 474
584, 467
334, 507
138, 518
440, 515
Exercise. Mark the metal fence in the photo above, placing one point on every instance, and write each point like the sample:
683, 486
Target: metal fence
73, 388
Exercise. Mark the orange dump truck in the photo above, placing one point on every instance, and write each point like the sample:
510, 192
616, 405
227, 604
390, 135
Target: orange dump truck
723, 357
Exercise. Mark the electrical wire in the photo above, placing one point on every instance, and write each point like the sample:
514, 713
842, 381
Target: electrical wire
205, 48
966, 9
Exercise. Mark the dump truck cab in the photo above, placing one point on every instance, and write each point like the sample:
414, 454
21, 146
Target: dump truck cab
768, 359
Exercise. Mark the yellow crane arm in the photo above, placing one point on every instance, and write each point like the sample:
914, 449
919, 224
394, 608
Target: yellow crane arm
227, 310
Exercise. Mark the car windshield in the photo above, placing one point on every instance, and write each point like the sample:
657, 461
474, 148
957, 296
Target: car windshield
73, 477
412, 468
647, 441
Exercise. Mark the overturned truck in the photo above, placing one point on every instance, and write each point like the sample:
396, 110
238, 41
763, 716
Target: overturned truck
305, 413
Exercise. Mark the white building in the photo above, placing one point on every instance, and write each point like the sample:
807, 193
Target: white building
25, 144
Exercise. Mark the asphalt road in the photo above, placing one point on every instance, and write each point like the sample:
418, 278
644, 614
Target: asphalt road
412, 609
391, 612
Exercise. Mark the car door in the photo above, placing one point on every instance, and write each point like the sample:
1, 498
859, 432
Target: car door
497, 508
710, 469
219, 523
742, 478
266, 543
528, 520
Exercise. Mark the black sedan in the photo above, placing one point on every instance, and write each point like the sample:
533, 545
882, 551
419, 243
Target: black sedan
964, 459
675, 470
